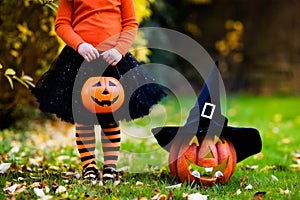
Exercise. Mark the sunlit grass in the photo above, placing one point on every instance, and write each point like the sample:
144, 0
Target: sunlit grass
46, 151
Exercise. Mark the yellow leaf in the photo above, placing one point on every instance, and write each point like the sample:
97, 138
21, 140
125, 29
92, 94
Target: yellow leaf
14, 53
20, 81
10, 82
27, 78
9, 72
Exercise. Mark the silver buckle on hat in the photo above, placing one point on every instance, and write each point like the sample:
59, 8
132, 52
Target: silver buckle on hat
212, 110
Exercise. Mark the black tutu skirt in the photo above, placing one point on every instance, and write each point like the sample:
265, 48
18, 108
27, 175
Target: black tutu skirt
58, 90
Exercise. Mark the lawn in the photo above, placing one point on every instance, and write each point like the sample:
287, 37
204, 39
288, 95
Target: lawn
42, 162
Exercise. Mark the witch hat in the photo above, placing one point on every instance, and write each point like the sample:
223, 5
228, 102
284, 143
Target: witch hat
205, 119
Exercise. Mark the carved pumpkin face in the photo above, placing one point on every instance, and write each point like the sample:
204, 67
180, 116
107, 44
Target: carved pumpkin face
102, 94
205, 162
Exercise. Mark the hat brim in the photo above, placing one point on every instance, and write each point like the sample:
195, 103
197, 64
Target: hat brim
247, 141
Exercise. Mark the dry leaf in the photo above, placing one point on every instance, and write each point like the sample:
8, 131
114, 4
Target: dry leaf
117, 182
163, 197
174, 186
33, 162
249, 187
171, 194
14, 150
4, 167
155, 197
274, 178
243, 180
60, 189
61, 158
287, 191
20, 179
12, 188
259, 195
70, 175
258, 156
296, 156
21, 189
139, 183
39, 192
35, 184
251, 167
195, 196
295, 166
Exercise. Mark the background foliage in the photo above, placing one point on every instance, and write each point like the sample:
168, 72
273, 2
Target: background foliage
256, 43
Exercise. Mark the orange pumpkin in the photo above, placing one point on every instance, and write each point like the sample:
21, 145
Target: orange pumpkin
102, 94
206, 162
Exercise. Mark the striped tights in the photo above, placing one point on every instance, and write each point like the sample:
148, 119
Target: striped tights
86, 141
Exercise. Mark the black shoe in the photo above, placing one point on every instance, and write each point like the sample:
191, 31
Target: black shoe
90, 172
109, 174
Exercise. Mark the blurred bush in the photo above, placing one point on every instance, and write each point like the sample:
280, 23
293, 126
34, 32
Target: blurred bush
28, 45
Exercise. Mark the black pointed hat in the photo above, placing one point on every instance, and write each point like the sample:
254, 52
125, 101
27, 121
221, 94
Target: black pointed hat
205, 119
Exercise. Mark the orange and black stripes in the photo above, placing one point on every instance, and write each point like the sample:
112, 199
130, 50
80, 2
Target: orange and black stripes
111, 139
85, 140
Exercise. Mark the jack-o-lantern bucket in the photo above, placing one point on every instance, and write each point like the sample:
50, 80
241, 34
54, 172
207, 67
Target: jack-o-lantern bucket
102, 94
204, 162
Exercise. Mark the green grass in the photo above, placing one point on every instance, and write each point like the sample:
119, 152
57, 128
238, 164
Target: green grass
44, 153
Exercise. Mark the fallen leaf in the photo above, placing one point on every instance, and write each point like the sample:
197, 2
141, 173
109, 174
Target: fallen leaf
171, 194
296, 157
259, 195
63, 157
155, 197
258, 156
47, 189
139, 183
266, 168
117, 182
4, 167
274, 178
12, 188
251, 167
35, 185
195, 196
14, 150
39, 192
287, 191
243, 181
174, 186
70, 175
249, 187
285, 141
21, 189
33, 162
20, 179
295, 166
60, 189
163, 197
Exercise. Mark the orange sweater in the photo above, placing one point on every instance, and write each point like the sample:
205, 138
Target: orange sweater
103, 23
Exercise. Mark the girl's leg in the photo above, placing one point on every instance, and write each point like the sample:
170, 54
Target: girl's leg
85, 141
110, 138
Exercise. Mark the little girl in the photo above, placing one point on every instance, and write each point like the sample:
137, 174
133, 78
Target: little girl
98, 35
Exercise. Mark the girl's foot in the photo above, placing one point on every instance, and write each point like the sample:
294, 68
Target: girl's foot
109, 174
90, 172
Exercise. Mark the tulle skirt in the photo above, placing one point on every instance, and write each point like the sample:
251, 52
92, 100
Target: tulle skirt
58, 90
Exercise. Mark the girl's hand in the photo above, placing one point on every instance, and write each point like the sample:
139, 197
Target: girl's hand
88, 52
112, 56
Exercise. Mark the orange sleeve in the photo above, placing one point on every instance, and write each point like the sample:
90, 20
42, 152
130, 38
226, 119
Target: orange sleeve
63, 24
129, 24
